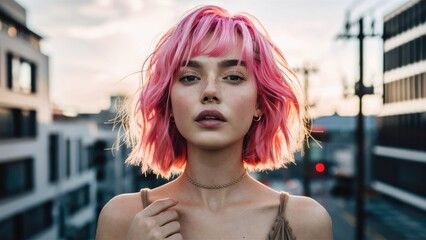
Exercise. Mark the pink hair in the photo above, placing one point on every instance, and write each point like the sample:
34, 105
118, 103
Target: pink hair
269, 143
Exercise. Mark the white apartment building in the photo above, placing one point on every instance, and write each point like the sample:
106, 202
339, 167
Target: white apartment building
47, 179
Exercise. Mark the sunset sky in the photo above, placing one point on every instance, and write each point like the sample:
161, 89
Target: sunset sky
94, 46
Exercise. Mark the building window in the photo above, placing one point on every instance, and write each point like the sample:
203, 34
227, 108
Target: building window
98, 158
21, 74
27, 123
423, 85
84, 232
7, 124
82, 164
405, 89
9, 228
403, 131
405, 54
26, 224
68, 157
17, 123
407, 19
53, 157
36, 220
400, 173
16, 177
76, 200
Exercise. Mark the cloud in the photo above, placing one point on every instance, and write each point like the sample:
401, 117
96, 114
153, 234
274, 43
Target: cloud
95, 43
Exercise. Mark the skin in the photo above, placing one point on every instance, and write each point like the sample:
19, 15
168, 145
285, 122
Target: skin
179, 210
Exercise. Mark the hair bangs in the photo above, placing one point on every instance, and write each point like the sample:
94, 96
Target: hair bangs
218, 36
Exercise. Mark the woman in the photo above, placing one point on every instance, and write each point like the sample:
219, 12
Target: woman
219, 100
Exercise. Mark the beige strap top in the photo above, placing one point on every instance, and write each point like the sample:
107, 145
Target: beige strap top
281, 229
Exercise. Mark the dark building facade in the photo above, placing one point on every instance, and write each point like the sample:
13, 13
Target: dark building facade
399, 166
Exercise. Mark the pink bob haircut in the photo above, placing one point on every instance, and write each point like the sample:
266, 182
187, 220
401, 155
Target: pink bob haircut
270, 143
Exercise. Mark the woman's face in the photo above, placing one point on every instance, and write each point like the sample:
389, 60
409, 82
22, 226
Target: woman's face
214, 100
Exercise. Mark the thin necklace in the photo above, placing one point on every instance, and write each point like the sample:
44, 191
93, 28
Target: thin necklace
211, 187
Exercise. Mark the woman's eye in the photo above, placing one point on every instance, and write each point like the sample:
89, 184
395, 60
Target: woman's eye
234, 78
189, 78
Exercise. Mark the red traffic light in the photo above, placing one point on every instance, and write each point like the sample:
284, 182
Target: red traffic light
319, 167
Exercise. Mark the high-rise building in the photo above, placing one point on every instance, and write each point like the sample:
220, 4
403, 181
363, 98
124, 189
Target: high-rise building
399, 166
47, 174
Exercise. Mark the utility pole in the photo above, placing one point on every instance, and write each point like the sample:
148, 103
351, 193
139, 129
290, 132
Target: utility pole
306, 71
360, 91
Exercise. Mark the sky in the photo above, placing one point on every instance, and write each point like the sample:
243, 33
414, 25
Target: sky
97, 47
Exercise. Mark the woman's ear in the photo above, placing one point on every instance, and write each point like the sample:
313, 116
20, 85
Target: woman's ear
258, 113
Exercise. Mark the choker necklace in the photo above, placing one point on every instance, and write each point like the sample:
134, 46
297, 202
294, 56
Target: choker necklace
211, 187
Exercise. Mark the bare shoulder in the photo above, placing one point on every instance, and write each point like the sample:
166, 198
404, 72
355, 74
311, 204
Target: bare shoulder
117, 215
308, 219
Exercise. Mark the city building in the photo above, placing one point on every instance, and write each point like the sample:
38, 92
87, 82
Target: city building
27, 197
399, 164
48, 169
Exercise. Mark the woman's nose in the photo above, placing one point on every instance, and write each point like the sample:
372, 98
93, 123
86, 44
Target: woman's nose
211, 92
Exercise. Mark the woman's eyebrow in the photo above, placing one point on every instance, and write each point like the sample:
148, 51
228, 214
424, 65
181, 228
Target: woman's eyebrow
191, 63
231, 63
222, 64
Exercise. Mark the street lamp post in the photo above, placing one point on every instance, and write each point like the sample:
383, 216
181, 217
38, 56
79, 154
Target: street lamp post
360, 91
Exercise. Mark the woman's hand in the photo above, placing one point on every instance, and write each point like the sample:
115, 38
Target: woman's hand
157, 221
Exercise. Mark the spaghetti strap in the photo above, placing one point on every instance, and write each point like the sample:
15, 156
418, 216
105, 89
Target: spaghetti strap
281, 229
144, 197
283, 202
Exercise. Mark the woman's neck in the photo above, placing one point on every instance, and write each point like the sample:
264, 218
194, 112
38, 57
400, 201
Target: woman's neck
213, 168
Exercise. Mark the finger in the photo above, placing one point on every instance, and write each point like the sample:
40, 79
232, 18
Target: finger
170, 228
158, 206
166, 217
176, 236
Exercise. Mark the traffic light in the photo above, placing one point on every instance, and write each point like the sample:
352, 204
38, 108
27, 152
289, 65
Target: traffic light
320, 167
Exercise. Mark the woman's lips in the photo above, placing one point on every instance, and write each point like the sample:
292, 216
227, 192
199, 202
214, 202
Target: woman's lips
210, 118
